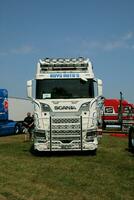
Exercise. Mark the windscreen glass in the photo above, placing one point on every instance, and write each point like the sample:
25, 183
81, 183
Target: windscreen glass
64, 88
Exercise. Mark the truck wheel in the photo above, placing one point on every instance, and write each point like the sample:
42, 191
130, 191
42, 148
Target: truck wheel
93, 152
103, 125
16, 129
131, 140
33, 151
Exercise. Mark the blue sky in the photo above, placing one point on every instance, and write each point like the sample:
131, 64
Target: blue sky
102, 30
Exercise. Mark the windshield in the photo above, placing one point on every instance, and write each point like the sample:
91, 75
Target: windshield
64, 88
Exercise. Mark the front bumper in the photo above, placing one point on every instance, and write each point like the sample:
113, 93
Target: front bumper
72, 146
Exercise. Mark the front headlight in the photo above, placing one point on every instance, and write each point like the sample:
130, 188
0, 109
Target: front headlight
85, 106
91, 133
40, 134
90, 136
45, 107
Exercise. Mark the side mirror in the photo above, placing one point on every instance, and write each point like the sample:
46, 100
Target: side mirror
99, 83
29, 89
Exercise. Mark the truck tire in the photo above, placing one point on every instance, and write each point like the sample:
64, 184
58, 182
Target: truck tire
103, 125
131, 140
93, 152
17, 129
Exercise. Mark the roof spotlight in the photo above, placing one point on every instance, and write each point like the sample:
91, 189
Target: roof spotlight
60, 60
73, 59
80, 59
67, 60
47, 60
54, 60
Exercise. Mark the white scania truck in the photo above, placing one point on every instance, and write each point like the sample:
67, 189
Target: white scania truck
67, 105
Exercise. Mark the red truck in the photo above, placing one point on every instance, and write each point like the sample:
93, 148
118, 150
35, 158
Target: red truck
118, 113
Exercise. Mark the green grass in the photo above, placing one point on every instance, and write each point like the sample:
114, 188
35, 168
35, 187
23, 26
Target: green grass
108, 175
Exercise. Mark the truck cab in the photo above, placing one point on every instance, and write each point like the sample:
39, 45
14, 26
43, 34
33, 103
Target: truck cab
66, 105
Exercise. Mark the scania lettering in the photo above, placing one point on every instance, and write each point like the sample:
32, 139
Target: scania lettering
65, 108
67, 105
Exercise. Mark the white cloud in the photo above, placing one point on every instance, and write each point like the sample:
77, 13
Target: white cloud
128, 36
117, 44
103, 46
26, 49
124, 42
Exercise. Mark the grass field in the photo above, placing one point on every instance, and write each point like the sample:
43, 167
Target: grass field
108, 175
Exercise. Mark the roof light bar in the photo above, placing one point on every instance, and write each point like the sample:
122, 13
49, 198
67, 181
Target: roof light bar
64, 60
64, 63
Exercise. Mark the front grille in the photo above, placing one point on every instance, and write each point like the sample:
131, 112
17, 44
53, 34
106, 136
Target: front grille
65, 127
66, 132
65, 120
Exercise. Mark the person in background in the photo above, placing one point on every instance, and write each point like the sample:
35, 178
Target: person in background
28, 123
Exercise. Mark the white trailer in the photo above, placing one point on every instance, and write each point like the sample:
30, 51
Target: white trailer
18, 108
66, 105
